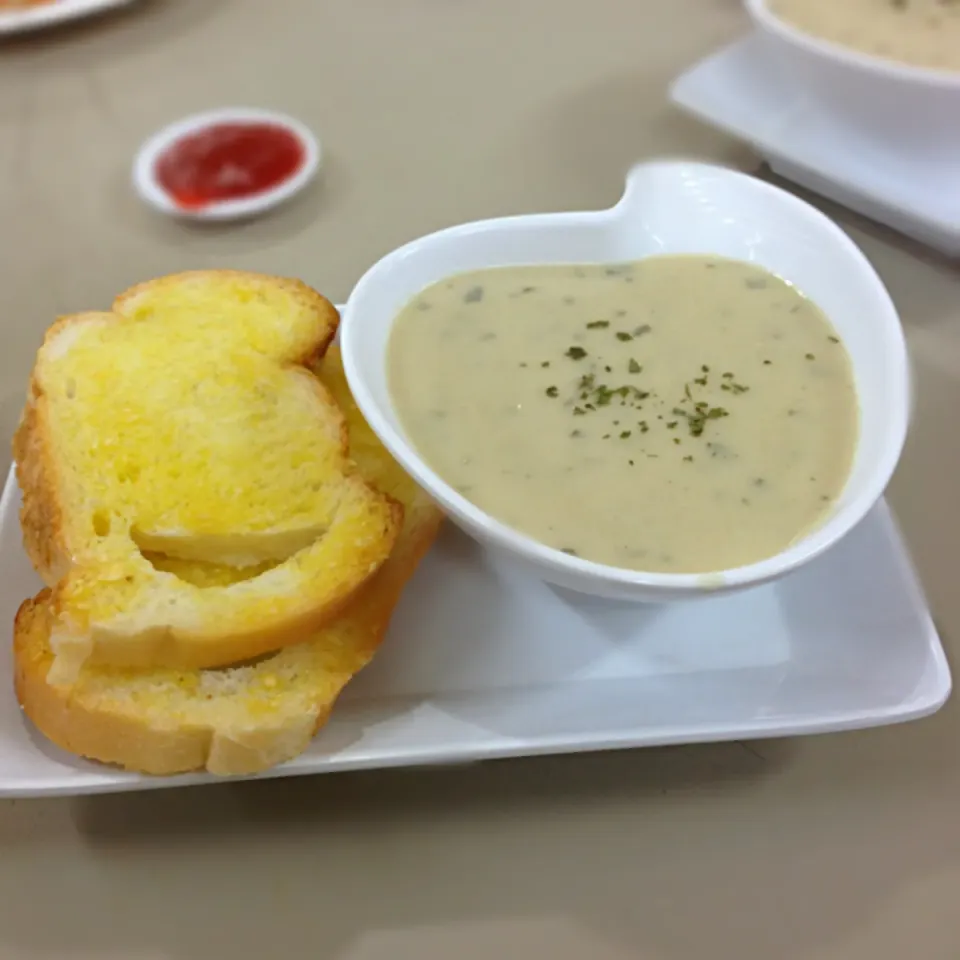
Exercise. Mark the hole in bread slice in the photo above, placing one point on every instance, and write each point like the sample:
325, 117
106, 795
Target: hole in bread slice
201, 574
241, 551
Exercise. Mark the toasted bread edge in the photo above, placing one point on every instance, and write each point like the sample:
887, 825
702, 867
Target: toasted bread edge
42, 513
80, 724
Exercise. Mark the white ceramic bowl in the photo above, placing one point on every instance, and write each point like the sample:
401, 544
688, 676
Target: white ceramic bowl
913, 109
668, 207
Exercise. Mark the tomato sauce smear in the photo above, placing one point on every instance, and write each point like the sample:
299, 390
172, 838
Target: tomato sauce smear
228, 161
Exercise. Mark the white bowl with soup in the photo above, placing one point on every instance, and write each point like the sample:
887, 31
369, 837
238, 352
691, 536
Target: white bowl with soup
887, 68
700, 389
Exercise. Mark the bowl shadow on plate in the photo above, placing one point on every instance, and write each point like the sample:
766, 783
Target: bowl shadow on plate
619, 619
434, 645
495, 658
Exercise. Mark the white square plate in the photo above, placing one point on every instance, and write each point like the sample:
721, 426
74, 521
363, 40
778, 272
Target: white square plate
740, 91
481, 662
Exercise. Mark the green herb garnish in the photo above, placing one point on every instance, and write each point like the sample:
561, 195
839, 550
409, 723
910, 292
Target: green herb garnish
733, 387
697, 420
576, 353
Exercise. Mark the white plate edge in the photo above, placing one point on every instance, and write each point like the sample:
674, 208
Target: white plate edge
50, 15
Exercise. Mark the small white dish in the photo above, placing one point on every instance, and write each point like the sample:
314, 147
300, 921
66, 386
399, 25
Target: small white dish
743, 91
911, 107
668, 207
27, 19
150, 190
482, 663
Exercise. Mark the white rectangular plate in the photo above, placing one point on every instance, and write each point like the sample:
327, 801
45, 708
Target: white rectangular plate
738, 90
483, 662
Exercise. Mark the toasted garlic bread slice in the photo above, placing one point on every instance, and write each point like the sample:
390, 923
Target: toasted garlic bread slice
187, 423
238, 720
284, 323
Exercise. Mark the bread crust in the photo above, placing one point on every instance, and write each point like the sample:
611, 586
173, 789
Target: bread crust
97, 734
77, 720
41, 512
125, 303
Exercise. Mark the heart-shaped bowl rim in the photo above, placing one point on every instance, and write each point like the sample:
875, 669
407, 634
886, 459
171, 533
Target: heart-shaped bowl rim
669, 206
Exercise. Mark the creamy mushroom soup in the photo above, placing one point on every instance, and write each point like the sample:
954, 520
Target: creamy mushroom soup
924, 33
679, 414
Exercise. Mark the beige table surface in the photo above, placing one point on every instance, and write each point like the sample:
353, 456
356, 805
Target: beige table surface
432, 112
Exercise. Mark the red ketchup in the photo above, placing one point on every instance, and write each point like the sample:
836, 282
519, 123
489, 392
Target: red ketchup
228, 161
